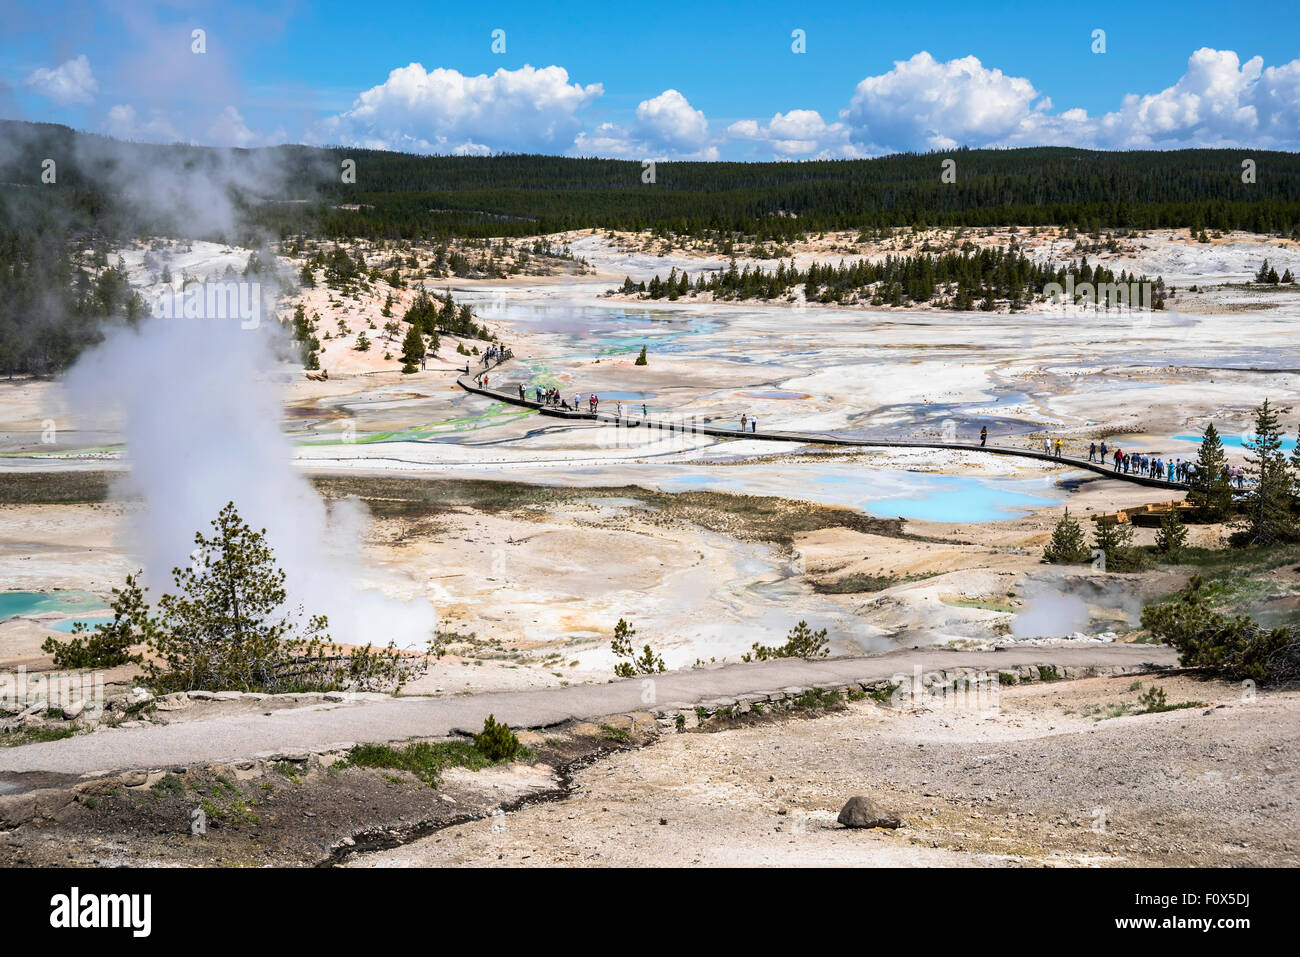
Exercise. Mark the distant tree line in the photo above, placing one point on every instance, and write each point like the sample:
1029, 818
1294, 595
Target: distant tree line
967, 276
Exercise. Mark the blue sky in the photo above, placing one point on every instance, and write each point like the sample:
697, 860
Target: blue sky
673, 80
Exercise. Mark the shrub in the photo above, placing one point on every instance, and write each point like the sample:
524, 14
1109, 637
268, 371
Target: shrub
107, 645
496, 742
647, 664
1153, 700
800, 642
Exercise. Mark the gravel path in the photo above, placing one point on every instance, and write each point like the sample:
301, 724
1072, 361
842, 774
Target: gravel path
243, 736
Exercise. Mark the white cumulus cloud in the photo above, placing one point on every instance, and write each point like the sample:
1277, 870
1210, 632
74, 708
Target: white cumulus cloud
445, 111
665, 127
798, 134
71, 82
1218, 101
924, 104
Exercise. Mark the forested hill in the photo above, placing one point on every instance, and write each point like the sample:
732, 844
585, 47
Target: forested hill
114, 187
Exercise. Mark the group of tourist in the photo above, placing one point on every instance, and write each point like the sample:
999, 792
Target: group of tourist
1140, 463
549, 397
495, 355
748, 423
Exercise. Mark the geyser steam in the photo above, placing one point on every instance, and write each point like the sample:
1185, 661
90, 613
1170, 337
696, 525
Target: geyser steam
202, 401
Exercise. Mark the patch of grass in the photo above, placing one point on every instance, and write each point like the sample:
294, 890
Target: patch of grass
817, 699
169, 785
141, 708
1238, 579
1048, 673
289, 770
990, 605
1153, 701
423, 759
21, 736
862, 582
1008, 678
883, 695
54, 488
680, 722
615, 734
237, 811
1103, 712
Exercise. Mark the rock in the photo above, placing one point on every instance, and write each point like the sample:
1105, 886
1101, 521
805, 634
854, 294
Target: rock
863, 812
228, 695
73, 711
97, 786
173, 702
134, 779
200, 695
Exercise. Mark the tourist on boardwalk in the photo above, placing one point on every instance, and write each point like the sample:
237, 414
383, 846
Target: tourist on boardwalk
645, 410
1092, 452
1058, 448
744, 421
618, 410
984, 436
522, 394
1047, 446
753, 424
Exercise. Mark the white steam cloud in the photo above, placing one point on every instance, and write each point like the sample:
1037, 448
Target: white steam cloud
202, 402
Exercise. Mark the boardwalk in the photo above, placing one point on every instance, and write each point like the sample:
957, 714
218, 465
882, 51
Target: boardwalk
471, 382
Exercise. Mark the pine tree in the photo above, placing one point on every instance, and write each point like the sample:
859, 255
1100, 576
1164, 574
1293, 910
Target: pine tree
1269, 514
229, 627
1172, 537
1067, 545
641, 359
1115, 542
412, 348
1211, 489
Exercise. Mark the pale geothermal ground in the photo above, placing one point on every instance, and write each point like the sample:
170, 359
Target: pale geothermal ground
539, 582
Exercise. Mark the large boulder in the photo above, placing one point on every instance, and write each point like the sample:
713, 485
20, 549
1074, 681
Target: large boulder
863, 812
